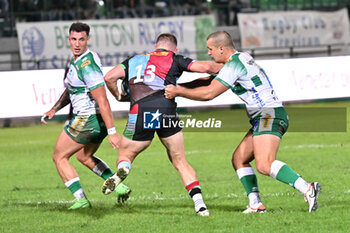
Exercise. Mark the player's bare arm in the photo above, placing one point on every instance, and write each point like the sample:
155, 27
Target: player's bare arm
206, 67
201, 93
111, 79
100, 96
204, 81
63, 101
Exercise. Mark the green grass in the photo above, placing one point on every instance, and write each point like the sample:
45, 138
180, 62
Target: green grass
34, 199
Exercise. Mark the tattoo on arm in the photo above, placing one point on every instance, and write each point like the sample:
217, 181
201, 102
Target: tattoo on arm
62, 101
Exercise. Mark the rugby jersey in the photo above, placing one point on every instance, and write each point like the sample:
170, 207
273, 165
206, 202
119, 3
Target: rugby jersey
246, 79
150, 72
84, 75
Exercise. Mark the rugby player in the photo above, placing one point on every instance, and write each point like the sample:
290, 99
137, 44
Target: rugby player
268, 118
147, 76
91, 122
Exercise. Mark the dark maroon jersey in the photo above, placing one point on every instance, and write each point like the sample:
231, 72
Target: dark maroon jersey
150, 72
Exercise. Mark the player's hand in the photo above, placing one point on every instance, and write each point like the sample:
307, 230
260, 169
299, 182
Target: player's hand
48, 115
114, 140
171, 91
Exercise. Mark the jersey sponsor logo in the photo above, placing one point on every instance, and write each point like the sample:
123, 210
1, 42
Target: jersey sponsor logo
85, 63
251, 62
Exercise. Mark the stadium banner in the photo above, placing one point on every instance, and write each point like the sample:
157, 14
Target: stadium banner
32, 93
114, 39
275, 29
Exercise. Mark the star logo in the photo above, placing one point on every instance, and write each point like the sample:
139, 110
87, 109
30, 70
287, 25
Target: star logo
156, 115
151, 120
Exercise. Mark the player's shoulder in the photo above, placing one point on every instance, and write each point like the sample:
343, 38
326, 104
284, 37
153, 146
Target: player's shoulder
89, 59
179, 58
243, 56
240, 58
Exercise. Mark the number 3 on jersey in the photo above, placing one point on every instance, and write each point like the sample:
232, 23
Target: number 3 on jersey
149, 74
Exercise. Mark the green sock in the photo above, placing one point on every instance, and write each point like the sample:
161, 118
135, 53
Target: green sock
75, 187
250, 183
107, 173
248, 178
282, 172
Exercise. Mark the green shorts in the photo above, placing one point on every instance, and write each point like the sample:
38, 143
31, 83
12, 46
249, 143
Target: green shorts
270, 121
86, 128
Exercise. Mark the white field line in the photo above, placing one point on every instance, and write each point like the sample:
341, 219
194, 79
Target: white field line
305, 146
192, 152
32, 142
157, 197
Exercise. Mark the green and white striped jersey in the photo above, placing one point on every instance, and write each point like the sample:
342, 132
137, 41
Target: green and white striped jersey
246, 79
84, 75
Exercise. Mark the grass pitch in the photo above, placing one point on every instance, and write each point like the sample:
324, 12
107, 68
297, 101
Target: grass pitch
34, 199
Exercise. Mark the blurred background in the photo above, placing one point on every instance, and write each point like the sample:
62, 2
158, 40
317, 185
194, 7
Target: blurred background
225, 13
303, 45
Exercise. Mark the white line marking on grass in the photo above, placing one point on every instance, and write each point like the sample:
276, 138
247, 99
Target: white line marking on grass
303, 146
47, 202
199, 151
33, 142
157, 197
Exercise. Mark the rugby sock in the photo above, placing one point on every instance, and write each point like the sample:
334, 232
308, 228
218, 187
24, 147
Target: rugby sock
248, 178
195, 192
75, 187
254, 198
282, 172
250, 183
125, 164
101, 168
301, 185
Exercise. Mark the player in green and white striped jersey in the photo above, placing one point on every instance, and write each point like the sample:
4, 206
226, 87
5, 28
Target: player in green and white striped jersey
268, 118
92, 119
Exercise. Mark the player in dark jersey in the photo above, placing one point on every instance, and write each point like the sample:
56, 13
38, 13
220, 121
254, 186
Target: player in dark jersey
147, 76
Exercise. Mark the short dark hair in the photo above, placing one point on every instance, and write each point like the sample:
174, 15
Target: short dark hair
167, 37
80, 27
221, 38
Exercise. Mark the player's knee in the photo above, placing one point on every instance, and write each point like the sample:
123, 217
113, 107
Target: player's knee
54, 158
236, 163
263, 169
179, 163
57, 158
233, 161
81, 158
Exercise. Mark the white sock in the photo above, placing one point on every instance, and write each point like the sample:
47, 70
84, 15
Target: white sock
254, 198
100, 167
198, 202
301, 185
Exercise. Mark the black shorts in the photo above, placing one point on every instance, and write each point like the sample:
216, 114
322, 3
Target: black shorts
151, 114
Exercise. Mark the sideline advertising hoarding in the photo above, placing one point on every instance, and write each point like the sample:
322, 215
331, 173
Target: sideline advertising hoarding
32, 93
113, 39
275, 29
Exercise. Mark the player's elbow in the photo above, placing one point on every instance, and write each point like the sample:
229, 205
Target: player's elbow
108, 78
